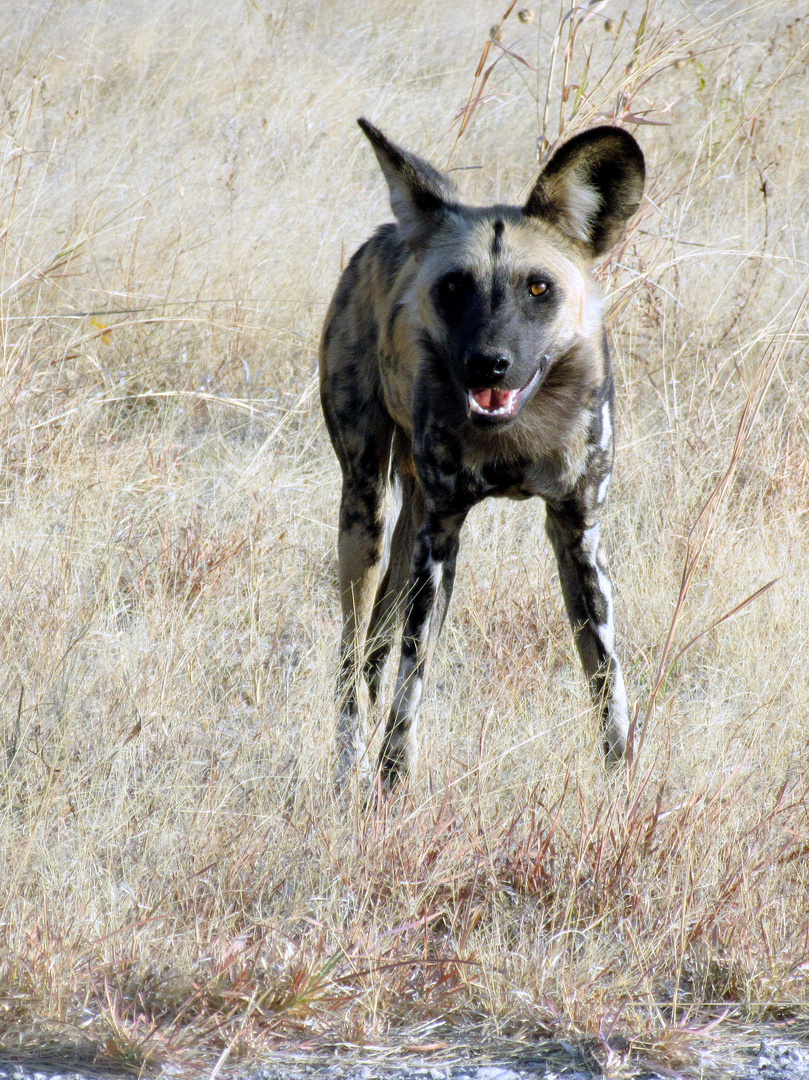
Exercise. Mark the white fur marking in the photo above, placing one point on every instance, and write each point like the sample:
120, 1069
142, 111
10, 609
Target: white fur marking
618, 718
436, 572
606, 427
590, 540
405, 686
581, 204
415, 699
606, 634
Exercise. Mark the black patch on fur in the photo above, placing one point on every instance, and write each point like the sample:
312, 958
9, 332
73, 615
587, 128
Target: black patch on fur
500, 289
497, 242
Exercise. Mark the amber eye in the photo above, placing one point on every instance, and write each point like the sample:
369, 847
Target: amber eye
538, 288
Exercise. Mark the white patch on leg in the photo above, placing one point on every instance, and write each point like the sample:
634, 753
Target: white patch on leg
401, 739
602, 488
407, 696
590, 540
352, 750
415, 696
617, 728
436, 571
606, 427
605, 585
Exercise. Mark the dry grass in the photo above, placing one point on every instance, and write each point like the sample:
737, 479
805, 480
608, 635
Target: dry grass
179, 189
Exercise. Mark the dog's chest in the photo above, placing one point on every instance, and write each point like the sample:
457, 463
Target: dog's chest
548, 479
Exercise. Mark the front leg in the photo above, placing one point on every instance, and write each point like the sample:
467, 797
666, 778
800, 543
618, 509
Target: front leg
431, 579
587, 591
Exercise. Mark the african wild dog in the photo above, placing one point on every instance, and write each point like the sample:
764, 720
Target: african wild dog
464, 355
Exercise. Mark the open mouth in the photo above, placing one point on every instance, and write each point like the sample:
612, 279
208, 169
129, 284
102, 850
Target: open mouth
497, 404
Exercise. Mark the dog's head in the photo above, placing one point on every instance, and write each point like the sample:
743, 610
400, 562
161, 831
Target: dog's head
504, 291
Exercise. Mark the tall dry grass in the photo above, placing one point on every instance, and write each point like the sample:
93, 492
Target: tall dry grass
179, 189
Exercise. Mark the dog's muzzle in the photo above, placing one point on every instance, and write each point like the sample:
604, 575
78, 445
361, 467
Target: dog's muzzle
495, 404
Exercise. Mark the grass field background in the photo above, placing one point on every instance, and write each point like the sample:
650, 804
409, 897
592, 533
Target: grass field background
180, 187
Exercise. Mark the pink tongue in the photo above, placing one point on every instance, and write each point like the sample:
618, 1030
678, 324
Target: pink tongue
490, 399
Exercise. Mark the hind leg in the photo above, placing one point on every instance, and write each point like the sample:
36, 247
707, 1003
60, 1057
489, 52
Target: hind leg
388, 611
360, 550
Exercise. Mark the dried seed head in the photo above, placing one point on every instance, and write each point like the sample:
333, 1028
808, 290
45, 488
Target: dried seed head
679, 63
496, 33
609, 26
525, 15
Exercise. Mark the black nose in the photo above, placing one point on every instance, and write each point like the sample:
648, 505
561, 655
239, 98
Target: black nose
484, 367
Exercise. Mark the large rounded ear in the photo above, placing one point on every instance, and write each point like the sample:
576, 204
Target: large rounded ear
590, 187
419, 194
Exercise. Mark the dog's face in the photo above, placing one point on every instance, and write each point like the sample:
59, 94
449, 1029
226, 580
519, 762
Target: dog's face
503, 291
499, 300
